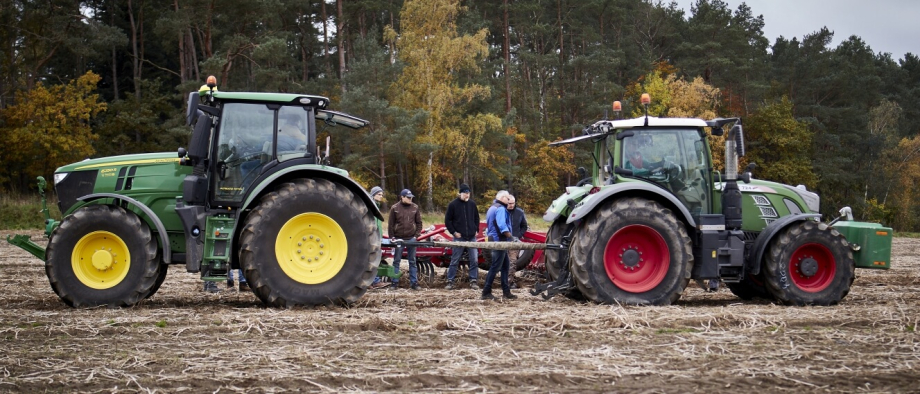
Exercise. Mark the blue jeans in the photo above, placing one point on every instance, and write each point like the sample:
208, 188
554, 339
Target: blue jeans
410, 255
239, 275
455, 260
499, 263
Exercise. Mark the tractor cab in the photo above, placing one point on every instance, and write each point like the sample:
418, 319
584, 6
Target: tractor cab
254, 134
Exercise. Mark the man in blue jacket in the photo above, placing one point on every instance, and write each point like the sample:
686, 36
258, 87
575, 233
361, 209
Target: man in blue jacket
462, 222
499, 229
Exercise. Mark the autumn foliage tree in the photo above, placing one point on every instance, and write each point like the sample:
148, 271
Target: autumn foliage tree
434, 53
48, 127
780, 144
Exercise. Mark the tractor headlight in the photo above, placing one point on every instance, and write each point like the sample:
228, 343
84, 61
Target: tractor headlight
59, 176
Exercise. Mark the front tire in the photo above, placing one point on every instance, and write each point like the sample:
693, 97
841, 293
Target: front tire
102, 255
632, 251
809, 263
310, 242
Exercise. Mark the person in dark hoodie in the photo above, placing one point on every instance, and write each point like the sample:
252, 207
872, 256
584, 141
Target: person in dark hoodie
518, 229
462, 222
405, 223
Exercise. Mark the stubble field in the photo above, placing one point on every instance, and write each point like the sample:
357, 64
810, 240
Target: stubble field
434, 340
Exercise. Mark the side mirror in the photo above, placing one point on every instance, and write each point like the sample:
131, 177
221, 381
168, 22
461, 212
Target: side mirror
191, 112
581, 172
737, 133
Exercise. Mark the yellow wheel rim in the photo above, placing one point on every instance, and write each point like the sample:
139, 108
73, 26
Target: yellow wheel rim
311, 248
100, 260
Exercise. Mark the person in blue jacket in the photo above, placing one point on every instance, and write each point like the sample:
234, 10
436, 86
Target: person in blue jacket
499, 229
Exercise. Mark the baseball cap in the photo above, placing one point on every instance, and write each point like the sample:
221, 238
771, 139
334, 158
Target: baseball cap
406, 193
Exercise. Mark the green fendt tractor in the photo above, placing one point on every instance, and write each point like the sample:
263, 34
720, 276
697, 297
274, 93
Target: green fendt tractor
252, 191
654, 214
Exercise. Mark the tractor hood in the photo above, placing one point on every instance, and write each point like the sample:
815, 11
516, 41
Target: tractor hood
120, 161
765, 202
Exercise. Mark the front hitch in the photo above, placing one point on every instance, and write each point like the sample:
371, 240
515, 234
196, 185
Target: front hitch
24, 241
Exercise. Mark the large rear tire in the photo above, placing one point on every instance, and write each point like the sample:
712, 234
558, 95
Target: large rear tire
102, 255
555, 258
310, 242
809, 263
632, 251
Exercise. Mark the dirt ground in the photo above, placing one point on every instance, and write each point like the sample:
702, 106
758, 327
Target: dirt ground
434, 340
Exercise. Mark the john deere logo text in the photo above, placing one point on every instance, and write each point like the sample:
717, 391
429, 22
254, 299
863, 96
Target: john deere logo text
108, 171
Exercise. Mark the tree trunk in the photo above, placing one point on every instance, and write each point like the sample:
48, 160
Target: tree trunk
561, 77
325, 35
114, 55
340, 32
382, 162
506, 44
136, 52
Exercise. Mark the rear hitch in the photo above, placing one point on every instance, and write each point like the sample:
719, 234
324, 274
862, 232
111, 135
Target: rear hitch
564, 282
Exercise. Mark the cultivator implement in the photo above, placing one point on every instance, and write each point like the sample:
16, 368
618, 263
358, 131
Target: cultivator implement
548, 290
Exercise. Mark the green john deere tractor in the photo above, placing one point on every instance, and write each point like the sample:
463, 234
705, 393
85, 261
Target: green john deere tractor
654, 214
252, 191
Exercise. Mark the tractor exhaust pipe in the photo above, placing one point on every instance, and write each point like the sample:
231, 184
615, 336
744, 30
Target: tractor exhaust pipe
731, 195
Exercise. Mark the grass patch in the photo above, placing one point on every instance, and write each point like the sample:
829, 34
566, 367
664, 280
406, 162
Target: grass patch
24, 211
903, 234
161, 324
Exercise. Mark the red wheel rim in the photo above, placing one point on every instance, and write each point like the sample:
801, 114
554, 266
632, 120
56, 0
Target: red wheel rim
636, 258
812, 267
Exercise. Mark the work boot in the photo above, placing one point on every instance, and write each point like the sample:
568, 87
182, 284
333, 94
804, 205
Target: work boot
474, 286
414, 287
509, 296
488, 296
229, 283
394, 285
450, 286
244, 286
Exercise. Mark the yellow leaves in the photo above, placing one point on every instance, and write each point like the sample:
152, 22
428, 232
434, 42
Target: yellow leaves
49, 127
544, 166
780, 144
902, 165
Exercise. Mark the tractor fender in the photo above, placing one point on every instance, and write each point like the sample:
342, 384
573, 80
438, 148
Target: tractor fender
590, 202
298, 171
161, 229
765, 236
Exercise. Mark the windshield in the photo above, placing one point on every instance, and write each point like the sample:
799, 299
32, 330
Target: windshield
246, 143
675, 159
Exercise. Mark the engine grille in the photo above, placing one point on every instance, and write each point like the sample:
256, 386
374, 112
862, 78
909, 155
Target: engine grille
768, 212
77, 184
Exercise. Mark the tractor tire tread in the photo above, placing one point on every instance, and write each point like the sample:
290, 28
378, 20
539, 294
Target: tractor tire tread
586, 243
97, 213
